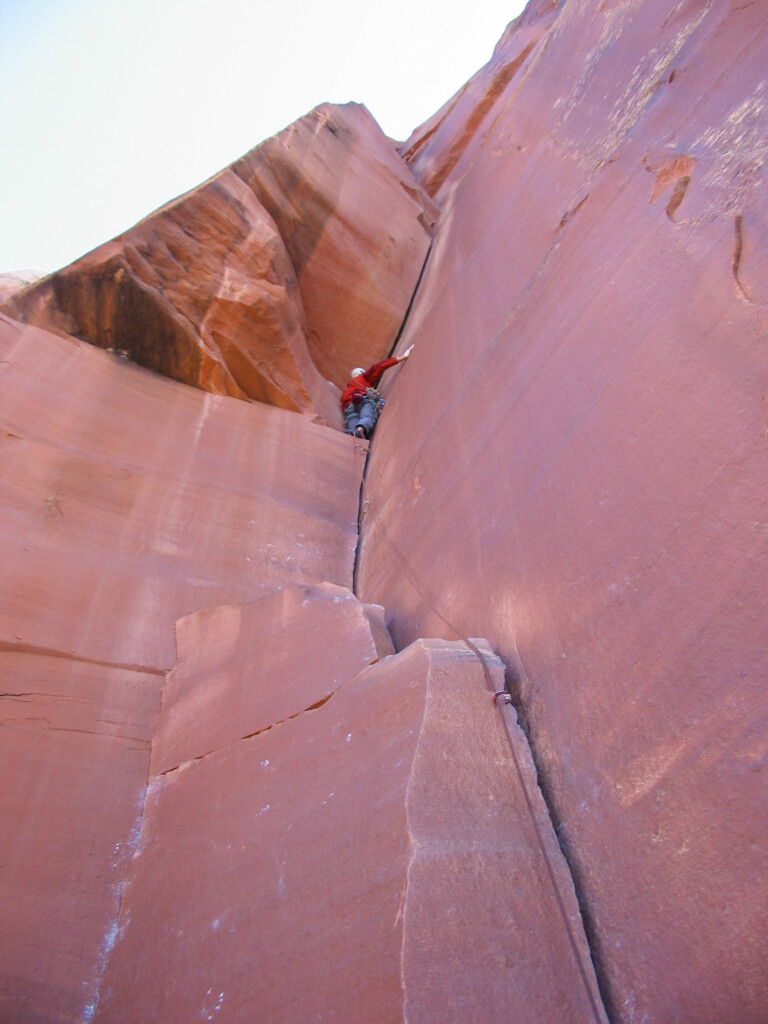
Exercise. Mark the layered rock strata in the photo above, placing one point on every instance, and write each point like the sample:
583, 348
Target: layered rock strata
328, 840
128, 501
271, 279
584, 479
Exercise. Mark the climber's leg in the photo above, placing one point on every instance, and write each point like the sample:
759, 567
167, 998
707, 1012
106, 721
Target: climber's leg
369, 414
351, 417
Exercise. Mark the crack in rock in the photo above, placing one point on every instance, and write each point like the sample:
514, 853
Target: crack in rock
10, 647
248, 736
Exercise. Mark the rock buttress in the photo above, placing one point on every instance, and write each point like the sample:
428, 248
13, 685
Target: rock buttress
357, 226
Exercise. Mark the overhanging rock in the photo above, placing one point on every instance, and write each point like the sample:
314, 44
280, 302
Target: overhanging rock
269, 280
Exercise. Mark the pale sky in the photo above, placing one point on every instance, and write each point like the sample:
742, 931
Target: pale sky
109, 108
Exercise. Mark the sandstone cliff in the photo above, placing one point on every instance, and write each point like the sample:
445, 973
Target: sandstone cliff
229, 798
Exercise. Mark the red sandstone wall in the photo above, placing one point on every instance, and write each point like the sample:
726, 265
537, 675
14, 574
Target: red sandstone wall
128, 501
573, 463
228, 801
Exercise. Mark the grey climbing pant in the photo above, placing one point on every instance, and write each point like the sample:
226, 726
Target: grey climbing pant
363, 413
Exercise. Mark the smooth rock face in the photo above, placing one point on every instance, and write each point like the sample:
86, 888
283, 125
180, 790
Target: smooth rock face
308, 248
127, 501
372, 859
584, 480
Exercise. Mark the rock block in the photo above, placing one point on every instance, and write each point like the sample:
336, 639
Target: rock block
369, 859
243, 668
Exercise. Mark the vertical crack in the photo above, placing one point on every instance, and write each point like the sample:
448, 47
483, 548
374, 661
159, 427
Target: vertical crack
738, 245
589, 935
108, 943
363, 503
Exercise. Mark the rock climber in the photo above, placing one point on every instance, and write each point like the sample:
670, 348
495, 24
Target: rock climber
360, 400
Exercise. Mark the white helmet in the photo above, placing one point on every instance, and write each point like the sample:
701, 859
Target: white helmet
358, 372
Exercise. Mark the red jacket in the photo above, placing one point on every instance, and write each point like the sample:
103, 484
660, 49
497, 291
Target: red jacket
357, 387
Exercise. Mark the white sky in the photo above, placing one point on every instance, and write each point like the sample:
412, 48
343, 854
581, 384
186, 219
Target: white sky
109, 108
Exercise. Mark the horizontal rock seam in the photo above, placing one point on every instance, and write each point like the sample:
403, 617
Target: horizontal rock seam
248, 736
9, 647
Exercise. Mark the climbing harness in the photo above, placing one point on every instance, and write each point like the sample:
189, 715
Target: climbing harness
373, 396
